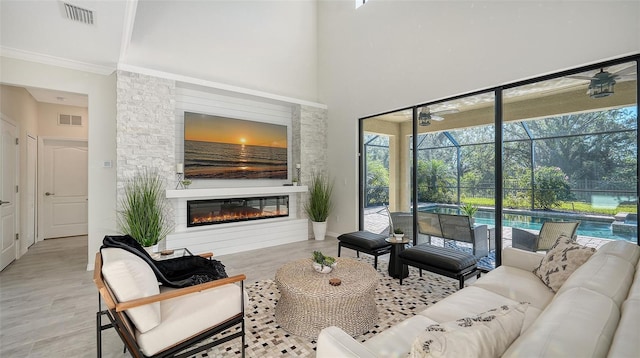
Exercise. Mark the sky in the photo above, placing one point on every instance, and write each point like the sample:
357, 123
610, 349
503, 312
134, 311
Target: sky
207, 128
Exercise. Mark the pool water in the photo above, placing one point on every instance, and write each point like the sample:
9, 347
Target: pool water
587, 227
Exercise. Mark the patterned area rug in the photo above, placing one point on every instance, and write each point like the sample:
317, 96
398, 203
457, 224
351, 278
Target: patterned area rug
265, 338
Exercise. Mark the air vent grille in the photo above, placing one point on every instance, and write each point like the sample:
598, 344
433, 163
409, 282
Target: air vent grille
69, 120
79, 14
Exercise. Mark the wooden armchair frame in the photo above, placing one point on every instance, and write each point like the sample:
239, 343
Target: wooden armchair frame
118, 320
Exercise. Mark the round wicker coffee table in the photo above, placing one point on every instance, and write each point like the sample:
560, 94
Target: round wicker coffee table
308, 303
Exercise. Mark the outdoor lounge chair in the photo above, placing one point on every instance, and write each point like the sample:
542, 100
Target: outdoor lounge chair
549, 233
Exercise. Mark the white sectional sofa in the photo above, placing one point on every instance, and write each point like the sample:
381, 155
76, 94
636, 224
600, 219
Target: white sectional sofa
595, 313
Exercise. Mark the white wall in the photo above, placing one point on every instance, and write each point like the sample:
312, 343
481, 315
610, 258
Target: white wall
102, 145
48, 121
268, 46
391, 54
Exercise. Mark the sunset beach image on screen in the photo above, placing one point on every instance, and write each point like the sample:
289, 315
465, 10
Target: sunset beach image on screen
218, 147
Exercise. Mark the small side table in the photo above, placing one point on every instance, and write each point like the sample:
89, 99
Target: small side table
396, 270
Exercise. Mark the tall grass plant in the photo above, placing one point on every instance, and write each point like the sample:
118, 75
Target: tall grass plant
144, 208
319, 204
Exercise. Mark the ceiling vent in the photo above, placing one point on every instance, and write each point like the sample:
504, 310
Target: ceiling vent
78, 14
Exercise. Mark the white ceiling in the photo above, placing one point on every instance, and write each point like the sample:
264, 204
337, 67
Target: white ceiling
40, 31
181, 37
188, 38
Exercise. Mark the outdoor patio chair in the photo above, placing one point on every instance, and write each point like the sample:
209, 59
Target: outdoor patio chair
404, 221
542, 241
171, 323
459, 228
429, 225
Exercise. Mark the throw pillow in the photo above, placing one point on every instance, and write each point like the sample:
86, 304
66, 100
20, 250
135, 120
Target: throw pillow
488, 334
564, 257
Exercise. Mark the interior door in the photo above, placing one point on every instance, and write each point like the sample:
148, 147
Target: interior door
8, 206
63, 191
30, 192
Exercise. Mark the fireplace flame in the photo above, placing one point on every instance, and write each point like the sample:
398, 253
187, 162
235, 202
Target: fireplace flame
212, 218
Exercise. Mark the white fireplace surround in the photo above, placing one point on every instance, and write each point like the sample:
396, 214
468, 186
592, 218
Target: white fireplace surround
235, 237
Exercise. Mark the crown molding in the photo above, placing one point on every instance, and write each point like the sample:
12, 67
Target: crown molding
217, 85
55, 61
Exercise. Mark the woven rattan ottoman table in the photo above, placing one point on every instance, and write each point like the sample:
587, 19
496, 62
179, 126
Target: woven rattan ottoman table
308, 303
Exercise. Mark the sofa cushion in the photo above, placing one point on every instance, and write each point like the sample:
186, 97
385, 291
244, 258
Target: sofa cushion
365, 239
608, 275
396, 341
570, 326
471, 301
625, 341
129, 278
186, 316
516, 284
441, 257
485, 335
564, 257
623, 249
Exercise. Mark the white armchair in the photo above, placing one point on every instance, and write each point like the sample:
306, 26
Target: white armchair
153, 323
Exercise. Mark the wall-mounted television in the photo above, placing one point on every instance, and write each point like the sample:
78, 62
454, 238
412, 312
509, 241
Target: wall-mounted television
217, 147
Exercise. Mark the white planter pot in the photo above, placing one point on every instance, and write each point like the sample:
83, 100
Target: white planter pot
319, 229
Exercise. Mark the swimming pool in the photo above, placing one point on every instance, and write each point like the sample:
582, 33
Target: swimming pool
587, 227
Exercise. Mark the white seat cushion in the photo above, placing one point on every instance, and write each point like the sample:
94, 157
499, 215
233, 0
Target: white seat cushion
472, 301
518, 285
622, 249
626, 342
609, 275
186, 316
129, 278
570, 327
396, 341
485, 335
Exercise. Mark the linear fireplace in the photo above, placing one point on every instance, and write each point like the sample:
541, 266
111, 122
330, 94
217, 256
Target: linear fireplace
220, 211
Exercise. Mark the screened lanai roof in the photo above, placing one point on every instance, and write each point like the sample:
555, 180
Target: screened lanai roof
589, 123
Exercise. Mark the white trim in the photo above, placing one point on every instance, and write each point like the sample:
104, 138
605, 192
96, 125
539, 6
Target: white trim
54, 61
230, 192
127, 28
217, 85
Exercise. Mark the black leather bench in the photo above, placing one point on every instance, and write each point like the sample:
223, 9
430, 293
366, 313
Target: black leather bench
442, 261
367, 242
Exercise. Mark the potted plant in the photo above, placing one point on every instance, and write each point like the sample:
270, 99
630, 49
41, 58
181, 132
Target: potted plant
322, 263
318, 205
185, 183
398, 233
469, 210
294, 181
143, 209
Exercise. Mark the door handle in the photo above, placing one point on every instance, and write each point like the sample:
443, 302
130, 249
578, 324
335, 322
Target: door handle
49, 194
4, 202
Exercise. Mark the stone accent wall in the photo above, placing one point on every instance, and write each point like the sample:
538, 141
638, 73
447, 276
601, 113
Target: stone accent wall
313, 128
313, 142
145, 126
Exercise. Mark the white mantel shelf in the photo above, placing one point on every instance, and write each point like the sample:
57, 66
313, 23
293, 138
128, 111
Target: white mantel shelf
231, 192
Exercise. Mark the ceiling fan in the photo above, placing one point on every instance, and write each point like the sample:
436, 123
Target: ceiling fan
426, 116
601, 84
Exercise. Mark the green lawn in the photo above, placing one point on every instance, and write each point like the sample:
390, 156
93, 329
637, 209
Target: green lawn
574, 206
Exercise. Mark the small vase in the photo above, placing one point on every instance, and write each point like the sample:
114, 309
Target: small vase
398, 237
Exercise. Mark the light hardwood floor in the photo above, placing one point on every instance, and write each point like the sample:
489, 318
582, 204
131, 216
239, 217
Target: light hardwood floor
48, 300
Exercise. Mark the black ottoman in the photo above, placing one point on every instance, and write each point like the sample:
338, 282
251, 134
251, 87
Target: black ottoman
441, 260
365, 241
